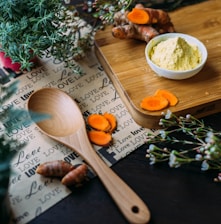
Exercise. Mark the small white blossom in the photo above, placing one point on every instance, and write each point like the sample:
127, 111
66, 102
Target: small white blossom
162, 134
168, 115
198, 157
161, 122
210, 137
152, 160
188, 117
204, 165
151, 147
173, 160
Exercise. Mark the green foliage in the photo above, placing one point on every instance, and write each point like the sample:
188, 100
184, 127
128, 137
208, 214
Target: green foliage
11, 118
41, 28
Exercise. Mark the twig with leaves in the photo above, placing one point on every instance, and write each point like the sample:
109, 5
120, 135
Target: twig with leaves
185, 140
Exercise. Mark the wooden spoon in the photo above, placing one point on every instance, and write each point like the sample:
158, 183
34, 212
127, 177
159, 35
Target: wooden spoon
67, 126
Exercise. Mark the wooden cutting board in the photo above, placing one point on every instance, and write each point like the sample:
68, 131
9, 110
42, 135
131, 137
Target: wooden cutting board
125, 63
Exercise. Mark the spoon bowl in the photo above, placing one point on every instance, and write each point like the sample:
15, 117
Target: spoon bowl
67, 126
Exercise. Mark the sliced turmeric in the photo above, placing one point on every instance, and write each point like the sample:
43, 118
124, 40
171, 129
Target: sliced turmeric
100, 138
138, 16
152, 16
154, 103
112, 120
98, 122
173, 100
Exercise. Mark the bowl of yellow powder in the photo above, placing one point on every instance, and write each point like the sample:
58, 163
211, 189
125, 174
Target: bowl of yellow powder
175, 55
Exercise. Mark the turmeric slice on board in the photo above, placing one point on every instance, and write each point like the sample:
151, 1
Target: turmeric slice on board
100, 137
173, 100
154, 103
98, 122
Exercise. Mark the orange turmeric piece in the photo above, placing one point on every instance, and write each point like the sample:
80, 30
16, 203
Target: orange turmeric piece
138, 16
57, 168
173, 100
98, 122
100, 138
154, 103
76, 176
112, 120
153, 15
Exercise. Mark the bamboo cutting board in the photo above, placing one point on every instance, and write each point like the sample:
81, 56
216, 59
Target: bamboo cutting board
125, 63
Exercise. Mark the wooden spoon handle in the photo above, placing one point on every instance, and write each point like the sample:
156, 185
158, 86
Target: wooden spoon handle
132, 207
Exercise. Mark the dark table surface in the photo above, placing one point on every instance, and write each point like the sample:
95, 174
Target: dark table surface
183, 195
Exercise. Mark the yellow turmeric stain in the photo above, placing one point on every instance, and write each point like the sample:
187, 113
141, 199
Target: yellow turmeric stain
176, 54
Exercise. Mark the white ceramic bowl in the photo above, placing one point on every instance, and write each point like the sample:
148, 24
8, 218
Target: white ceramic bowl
171, 74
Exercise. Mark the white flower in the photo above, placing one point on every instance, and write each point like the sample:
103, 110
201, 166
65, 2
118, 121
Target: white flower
168, 115
188, 117
198, 157
204, 165
151, 147
161, 122
209, 138
173, 160
162, 134
152, 159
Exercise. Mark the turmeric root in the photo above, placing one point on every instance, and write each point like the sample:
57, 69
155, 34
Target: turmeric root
76, 176
120, 18
141, 23
124, 32
140, 14
132, 31
57, 168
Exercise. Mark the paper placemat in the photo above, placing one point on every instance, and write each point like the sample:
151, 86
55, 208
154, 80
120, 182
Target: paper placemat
31, 194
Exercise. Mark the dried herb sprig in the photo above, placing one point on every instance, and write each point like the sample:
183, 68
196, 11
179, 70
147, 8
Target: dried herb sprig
185, 140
